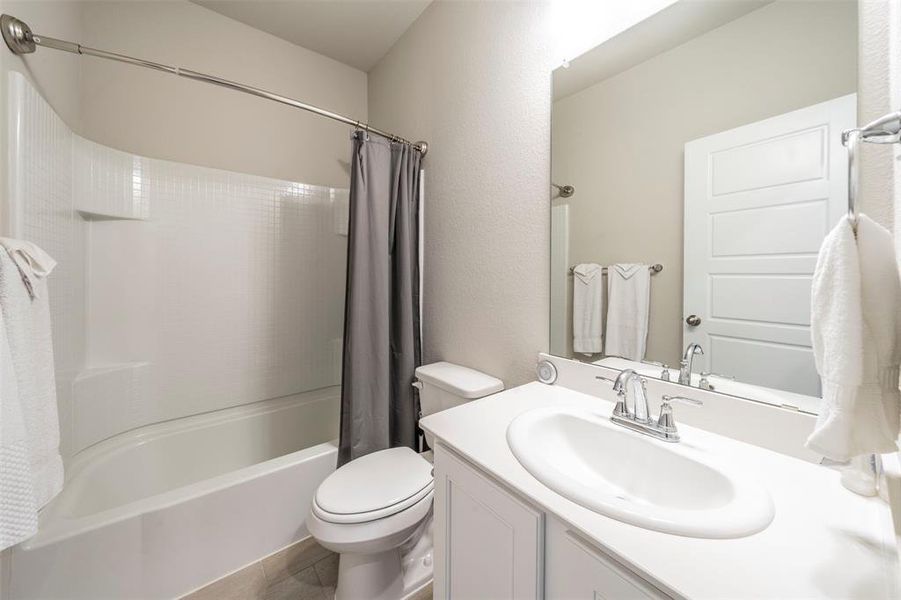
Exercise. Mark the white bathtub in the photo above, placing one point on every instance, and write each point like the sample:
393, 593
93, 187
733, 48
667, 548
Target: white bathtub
162, 510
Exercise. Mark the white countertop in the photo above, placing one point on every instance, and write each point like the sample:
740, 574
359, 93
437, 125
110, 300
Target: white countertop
825, 542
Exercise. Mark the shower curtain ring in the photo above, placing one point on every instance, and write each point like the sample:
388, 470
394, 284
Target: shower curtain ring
362, 127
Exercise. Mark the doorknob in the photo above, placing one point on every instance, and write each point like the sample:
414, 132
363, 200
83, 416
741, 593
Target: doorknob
693, 320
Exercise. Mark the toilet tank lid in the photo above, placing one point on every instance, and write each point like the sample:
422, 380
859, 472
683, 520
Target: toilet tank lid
461, 381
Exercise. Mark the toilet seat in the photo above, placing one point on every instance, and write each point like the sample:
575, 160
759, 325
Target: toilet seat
372, 515
373, 487
371, 536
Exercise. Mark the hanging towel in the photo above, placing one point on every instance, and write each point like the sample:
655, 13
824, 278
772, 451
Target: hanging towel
855, 324
628, 305
588, 308
25, 313
18, 507
32, 262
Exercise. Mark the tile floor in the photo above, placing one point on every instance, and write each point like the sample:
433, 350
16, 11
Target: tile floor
304, 571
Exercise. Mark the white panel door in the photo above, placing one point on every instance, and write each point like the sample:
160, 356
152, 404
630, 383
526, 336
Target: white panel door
488, 543
758, 201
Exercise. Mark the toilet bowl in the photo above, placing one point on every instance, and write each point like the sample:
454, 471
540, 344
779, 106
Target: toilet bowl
376, 511
367, 511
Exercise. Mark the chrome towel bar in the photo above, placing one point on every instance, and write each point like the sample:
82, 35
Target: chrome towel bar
654, 269
884, 130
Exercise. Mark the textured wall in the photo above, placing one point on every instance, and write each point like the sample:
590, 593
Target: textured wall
628, 169
880, 93
474, 80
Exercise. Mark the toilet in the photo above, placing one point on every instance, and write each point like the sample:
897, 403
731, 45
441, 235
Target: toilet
376, 511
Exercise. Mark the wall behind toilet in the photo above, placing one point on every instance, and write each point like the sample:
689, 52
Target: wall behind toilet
473, 78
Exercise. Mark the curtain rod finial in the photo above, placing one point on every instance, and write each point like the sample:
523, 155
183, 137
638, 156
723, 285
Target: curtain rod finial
17, 35
423, 147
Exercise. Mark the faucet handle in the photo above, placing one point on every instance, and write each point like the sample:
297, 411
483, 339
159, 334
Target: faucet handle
720, 375
620, 409
666, 422
619, 392
667, 400
664, 368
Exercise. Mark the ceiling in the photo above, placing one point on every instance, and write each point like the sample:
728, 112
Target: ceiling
665, 30
356, 32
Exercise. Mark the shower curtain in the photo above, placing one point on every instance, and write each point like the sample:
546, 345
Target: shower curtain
379, 408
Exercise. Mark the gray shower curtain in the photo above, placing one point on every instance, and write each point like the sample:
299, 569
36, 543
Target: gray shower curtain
379, 407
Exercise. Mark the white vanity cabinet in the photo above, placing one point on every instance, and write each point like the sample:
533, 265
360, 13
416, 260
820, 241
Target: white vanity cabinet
576, 570
490, 544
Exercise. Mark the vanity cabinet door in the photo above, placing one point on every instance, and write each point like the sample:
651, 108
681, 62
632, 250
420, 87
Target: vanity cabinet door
576, 570
488, 543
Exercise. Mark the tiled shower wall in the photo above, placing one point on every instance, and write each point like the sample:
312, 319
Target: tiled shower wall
180, 289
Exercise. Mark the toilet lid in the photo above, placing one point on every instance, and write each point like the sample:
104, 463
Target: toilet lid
374, 486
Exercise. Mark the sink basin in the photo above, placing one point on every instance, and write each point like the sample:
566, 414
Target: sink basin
636, 479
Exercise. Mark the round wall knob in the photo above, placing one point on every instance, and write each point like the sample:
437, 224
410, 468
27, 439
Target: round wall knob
693, 320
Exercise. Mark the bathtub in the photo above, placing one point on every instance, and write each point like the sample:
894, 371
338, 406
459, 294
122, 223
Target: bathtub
162, 510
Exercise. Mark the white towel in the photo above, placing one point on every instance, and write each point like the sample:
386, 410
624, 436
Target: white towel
31, 393
588, 308
855, 328
32, 262
18, 508
628, 305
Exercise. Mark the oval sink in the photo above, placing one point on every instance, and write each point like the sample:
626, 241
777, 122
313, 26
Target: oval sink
634, 478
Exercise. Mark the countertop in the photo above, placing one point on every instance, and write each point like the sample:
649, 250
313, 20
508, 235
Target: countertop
824, 542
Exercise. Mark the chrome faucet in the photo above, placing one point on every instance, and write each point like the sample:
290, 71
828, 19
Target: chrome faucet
685, 364
631, 410
633, 400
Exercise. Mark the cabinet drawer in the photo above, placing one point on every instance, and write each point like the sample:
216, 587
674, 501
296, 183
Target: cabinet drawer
576, 570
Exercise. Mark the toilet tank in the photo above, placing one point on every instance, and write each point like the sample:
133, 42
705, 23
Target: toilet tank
444, 385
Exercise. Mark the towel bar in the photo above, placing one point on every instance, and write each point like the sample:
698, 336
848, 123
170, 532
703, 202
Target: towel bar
654, 269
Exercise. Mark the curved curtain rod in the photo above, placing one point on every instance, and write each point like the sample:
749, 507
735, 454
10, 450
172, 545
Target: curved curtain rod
21, 40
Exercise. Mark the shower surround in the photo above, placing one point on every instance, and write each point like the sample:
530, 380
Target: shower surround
180, 291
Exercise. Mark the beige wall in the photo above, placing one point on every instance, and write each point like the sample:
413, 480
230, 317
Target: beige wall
621, 142
162, 116
474, 80
54, 74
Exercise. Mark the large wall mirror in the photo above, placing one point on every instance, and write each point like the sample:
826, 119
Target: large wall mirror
697, 166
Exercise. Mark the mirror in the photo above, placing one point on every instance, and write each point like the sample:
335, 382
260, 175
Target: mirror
698, 165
